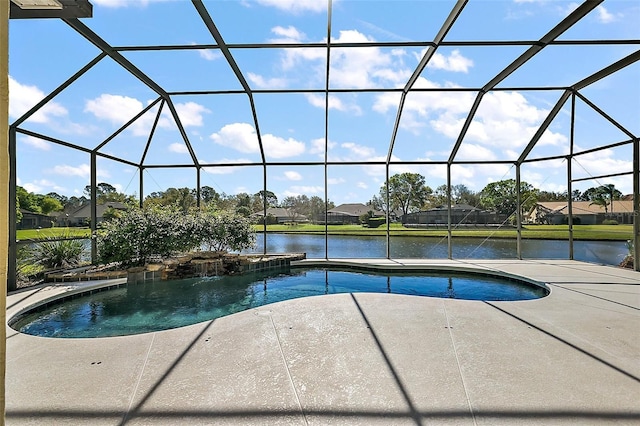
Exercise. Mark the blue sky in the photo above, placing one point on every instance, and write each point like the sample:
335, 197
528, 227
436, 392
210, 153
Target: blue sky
221, 129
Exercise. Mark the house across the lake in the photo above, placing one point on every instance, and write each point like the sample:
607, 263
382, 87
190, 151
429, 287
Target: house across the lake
31, 220
350, 213
584, 212
278, 215
461, 214
81, 216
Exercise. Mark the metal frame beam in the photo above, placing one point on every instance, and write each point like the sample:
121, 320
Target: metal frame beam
555, 32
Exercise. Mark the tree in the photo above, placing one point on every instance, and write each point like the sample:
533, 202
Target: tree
602, 195
602, 202
407, 192
106, 192
48, 205
378, 203
208, 195
27, 200
317, 208
460, 194
544, 196
101, 189
181, 198
243, 205
74, 202
270, 197
501, 196
62, 198
296, 206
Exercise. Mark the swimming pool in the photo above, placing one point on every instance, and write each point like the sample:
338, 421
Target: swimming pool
162, 305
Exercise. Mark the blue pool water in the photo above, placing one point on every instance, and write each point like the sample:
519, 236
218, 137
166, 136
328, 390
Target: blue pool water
161, 305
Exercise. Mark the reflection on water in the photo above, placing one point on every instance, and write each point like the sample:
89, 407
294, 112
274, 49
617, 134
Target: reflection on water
601, 252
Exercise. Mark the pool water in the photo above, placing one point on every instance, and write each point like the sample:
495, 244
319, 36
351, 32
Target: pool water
161, 305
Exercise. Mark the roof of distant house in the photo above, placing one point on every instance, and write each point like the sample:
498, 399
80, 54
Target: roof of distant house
587, 207
85, 209
354, 209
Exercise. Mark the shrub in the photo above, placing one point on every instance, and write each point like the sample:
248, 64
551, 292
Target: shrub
55, 253
26, 268
610, 222
140, 235
225, 232
375, 222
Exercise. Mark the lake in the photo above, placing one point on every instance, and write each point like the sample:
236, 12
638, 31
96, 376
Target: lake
340, 246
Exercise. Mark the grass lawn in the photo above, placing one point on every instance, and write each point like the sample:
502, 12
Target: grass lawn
41, 234
580, 232
549, 232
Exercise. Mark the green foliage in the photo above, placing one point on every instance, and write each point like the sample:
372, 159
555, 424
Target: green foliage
54, 253
610, 222
49, 204
224, 232
110, 213
501, 196
27, 200
407, 192
26, 269
18, 212
375, 222
140, 235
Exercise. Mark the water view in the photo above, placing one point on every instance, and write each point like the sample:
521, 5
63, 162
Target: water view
339, 246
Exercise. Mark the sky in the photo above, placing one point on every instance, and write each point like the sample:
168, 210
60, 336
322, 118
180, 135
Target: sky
44, 53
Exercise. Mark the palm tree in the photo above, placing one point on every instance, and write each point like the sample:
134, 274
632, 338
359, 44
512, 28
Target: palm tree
600, 201
611, 191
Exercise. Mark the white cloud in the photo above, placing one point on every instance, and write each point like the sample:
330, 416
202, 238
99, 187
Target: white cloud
504, 120
291, 175
82, 170
114, 108
355, 68
23, 97
334, 103
566, 10
469, 151
119, 109
454, 62
42, 186
225, 170
277, 147
303, 190
191, 113
296, 6
600, 163
264, 83
362, 185
605, 17
209, 54
242, 137
359, 151
36, 143
179, 148
335, 181
287, 35
317, 146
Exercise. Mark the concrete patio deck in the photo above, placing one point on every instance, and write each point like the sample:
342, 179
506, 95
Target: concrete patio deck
355, 359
